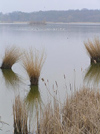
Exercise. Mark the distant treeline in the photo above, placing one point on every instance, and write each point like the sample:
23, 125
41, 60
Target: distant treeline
83, 15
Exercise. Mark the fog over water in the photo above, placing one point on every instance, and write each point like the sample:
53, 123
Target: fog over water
44, 5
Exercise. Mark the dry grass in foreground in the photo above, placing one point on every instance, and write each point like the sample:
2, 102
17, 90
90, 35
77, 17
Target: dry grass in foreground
79, 115
20, 117
11, 56
93, 49
33, 62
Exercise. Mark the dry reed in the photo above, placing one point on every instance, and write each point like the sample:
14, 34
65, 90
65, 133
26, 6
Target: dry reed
93, 49
79, 115
20, 117
11, 56
33, 62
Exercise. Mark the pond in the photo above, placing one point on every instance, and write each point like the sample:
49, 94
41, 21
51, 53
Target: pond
67, 64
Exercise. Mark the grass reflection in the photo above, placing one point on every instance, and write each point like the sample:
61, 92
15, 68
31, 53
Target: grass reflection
93, 74
33, 100
10, 77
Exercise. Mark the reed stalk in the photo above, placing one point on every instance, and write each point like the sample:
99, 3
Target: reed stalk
20, 117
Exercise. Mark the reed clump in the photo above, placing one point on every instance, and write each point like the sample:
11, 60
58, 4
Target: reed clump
11, 56
20, 117
79, 115
33, 62
93, 49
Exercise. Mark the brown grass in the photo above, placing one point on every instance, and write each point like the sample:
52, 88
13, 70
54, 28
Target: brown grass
20, 117
79, 115
93, 49
11, 56
33, 62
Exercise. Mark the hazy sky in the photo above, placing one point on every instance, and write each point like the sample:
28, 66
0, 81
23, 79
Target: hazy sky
37, 5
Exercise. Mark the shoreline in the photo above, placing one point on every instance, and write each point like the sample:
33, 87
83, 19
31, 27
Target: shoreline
62, 23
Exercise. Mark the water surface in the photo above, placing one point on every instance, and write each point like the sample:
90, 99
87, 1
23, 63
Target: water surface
66, 65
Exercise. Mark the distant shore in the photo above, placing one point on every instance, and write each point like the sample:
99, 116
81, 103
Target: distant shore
97, 23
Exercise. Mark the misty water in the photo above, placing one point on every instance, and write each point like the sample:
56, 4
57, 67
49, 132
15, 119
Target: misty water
67, 64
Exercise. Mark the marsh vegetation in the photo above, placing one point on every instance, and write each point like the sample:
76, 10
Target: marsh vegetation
20, 117
33, 61
93, 49
79, 114
11, 56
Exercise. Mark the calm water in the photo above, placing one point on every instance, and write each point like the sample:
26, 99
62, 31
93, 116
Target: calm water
66, 55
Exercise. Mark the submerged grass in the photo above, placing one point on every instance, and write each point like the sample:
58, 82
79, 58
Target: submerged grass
33, 62
93, 49
79, 115
11, 56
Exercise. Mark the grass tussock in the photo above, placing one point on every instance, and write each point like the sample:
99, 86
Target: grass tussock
93, 49
79, 115
20, 117
11, 56
33, 62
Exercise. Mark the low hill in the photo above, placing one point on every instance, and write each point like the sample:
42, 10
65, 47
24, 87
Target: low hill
83, 15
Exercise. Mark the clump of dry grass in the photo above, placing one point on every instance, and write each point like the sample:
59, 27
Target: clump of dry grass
33, 62
20, 117
93, 49
11, 56
79, 115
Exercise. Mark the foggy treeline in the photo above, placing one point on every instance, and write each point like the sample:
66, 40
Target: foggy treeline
83, 15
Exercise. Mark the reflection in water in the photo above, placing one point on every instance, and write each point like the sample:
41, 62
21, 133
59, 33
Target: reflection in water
93, 74
33, 100
10, 77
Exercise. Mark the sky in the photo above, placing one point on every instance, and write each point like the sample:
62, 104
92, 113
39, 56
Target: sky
7, 6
